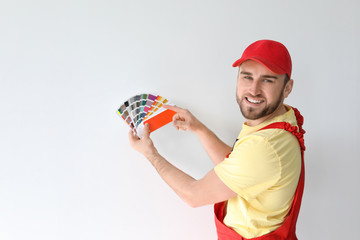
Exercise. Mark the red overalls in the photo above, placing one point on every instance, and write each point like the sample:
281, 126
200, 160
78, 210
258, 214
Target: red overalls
287, 230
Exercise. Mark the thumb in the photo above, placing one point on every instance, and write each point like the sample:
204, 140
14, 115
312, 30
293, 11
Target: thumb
146, 131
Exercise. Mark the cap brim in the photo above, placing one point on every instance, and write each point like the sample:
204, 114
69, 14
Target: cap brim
273, 68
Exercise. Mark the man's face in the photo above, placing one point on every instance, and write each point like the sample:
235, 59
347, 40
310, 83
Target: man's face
260, 93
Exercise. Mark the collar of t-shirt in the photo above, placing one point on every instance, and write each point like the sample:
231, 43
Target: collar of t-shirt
289, 117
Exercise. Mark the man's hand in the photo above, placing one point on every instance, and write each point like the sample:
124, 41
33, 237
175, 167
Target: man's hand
184, 120
144, 145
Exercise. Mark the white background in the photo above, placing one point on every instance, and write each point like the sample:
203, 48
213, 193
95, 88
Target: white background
66, 168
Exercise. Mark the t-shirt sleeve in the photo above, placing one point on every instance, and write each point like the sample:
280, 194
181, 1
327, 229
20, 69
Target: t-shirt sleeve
252, 167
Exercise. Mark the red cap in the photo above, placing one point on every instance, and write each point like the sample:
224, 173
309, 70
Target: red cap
271, 54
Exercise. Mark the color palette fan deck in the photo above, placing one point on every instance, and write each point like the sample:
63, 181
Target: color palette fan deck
145, 108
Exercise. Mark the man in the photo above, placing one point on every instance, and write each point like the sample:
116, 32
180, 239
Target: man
255, 187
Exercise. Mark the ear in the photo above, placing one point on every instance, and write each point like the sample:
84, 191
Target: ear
288, 88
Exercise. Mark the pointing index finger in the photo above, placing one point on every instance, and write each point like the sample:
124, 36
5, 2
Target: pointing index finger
173, 108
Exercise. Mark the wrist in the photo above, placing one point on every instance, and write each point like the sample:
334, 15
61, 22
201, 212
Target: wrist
200, 128
152, 156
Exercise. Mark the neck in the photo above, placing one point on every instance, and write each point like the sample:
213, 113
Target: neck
279, 111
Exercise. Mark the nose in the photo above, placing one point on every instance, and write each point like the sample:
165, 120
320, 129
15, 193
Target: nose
254, 88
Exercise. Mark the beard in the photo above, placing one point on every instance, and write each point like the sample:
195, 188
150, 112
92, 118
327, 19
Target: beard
251, 113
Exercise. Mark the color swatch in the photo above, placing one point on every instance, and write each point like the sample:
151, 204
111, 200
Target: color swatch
145, 108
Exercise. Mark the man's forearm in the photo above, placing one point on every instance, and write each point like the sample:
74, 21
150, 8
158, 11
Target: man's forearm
215, 148
179, 181
184, 120
207, 190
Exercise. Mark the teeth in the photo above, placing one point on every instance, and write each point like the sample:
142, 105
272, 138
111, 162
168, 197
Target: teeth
254, 101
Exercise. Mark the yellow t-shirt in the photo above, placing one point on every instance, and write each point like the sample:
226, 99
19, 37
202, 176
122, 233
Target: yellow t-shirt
263, 169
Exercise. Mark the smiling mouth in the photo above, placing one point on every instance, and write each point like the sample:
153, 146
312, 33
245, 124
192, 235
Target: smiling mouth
254, 101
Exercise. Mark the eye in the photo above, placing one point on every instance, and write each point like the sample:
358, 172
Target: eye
268, 80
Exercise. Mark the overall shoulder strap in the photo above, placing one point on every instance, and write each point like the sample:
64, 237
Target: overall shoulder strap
297, 131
